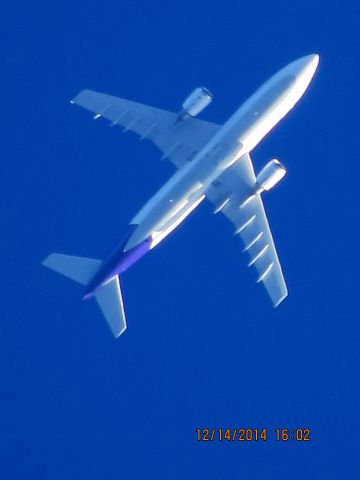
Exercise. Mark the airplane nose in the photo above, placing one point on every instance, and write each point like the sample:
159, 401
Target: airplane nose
313, 58
312, 62
304, 68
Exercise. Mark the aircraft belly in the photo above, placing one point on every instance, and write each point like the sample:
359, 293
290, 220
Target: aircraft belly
164, 209
183, 192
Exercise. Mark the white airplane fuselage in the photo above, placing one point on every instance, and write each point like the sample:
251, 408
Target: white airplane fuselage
239, 135
187, 187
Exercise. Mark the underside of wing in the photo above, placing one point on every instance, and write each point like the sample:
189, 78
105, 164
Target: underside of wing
234, 195
179, 141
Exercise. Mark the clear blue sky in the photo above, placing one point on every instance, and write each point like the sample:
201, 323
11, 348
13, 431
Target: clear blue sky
204, 346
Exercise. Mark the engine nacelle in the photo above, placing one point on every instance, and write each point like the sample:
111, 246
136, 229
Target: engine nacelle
270, 175
197, 101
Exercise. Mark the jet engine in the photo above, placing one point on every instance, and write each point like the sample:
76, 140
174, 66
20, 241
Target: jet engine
270, 175
196, 101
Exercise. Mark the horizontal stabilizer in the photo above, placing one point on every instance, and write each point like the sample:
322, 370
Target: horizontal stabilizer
110, 301
80, 269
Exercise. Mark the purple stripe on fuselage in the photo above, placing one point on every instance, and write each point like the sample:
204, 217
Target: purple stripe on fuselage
118, 261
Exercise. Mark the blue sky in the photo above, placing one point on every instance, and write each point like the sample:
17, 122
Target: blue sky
204, 346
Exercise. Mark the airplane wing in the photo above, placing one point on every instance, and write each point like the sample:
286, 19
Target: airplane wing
233, 195
179, 141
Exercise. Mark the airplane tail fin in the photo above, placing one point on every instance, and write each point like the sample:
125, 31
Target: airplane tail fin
108, 296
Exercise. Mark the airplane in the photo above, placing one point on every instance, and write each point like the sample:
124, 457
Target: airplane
213, 161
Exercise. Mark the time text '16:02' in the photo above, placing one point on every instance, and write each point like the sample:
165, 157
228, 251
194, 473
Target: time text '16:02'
252, 434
